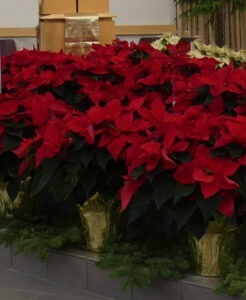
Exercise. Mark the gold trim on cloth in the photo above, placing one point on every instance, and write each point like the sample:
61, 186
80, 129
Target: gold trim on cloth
80, 33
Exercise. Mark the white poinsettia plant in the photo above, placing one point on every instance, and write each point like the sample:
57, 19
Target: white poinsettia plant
199, 50
167, 39
221, 54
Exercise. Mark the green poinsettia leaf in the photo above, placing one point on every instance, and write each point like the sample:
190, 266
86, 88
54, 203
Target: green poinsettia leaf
219, 152
44, 174
89, 180
196, 225
38, 183
9, 165
10, 142
235, 150
138, 172
182, 156
103, 158
13, 189
242, 183
183, 190
15, 131
208, 206
183, 212
49, 167
72, 167
86, 156
78, 142
141, 202
152, 174
61, 189
209, 98
230, 103
163, 190
135, 214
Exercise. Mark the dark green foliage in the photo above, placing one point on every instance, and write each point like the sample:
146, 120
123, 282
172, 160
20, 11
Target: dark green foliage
233, 273
183, 190
140, 263
34, 224
169, 207
29, 238
233, 263
163, 190
78, 176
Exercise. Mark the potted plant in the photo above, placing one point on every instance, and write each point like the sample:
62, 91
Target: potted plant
162, 131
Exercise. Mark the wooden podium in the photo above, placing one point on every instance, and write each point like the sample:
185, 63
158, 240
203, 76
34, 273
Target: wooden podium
52, 28
55, 13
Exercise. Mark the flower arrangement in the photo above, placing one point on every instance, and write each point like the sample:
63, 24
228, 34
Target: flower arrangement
221, 54
198, 49
165, 130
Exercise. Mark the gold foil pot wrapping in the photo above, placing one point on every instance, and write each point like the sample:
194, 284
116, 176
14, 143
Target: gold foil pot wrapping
208, 250
80, 33
94, 218
7, 205
5, 201
210, 247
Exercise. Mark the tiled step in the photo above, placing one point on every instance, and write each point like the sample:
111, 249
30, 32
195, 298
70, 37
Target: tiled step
77, 269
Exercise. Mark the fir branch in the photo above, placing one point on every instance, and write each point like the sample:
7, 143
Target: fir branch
29, 238
139, 265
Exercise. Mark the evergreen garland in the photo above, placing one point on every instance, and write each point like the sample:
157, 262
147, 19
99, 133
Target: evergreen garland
139, 264
233, 273
29, 238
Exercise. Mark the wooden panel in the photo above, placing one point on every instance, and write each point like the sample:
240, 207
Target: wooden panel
231, 30
58, 6
144, 29
62, 16
18, 32
237, 30
52, 35
107, 31
201, 32
228, 27
243, 30
93, 6
180, 21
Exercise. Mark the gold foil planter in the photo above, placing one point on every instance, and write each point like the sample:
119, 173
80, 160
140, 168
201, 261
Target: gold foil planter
210, 247
93, 214
5, 201
80, 33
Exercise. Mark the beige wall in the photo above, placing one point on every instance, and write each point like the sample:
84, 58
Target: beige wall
19, 13
24, 13
140, 12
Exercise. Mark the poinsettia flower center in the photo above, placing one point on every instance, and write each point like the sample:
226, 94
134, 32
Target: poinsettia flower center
208, 171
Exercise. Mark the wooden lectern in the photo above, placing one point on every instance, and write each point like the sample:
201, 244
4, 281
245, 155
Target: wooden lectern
52, 28
54, 13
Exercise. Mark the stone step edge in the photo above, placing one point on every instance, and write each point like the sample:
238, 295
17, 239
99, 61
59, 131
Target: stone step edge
77, 269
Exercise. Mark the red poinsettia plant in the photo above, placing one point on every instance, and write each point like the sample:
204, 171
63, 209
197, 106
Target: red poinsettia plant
165, 130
